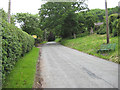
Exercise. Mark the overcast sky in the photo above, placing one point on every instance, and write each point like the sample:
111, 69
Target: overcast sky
31, 6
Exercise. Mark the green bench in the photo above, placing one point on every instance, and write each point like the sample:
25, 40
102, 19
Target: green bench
107, 47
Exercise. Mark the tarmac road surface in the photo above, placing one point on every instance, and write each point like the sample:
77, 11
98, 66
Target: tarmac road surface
63, 67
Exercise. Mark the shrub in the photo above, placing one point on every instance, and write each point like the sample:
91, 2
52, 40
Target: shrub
115, 27
112, 19
15, 43
38, 40
102, 29
83, 34
4, 16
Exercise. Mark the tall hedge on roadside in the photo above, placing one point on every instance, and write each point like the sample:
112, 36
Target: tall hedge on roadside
15, 43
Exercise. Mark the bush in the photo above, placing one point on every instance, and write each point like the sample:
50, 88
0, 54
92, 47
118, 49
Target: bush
83, 34
115, 27
15, 43
112, 19
102, 29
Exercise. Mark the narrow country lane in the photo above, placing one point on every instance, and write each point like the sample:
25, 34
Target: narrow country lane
63, 67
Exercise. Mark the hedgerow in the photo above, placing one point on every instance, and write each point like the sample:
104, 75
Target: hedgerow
15, 43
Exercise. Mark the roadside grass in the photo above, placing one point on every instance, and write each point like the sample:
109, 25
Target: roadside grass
22, 76
90, 44
58, 39
43, 42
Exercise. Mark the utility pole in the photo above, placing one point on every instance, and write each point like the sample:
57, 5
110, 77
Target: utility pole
9, 10
107, 25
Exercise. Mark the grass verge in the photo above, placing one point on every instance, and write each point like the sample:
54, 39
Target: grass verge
43, 42
58, 39
90, 44
22, 76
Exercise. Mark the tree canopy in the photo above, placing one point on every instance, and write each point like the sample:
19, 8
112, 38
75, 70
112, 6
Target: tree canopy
61, 17
29, 23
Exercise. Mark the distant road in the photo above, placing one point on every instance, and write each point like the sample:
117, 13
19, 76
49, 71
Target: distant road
63, 67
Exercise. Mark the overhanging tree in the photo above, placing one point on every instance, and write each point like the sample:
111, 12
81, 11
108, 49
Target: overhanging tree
29, 23
60, 17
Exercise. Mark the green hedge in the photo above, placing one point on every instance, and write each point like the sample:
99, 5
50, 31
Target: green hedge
15, 43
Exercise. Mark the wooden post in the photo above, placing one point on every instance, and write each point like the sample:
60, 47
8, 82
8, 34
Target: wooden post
107, 25
9, 10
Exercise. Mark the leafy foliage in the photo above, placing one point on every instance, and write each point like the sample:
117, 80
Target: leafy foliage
29, 23
98, 14
102, 29
115, 27
113, 10
81, 22
15, 43
70, 25
22, 76
4, 17
113, 19
3, 14
66, 19
61, 17
89, 21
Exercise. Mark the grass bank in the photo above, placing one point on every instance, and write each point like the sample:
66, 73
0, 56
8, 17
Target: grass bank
22, 76
90, 44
